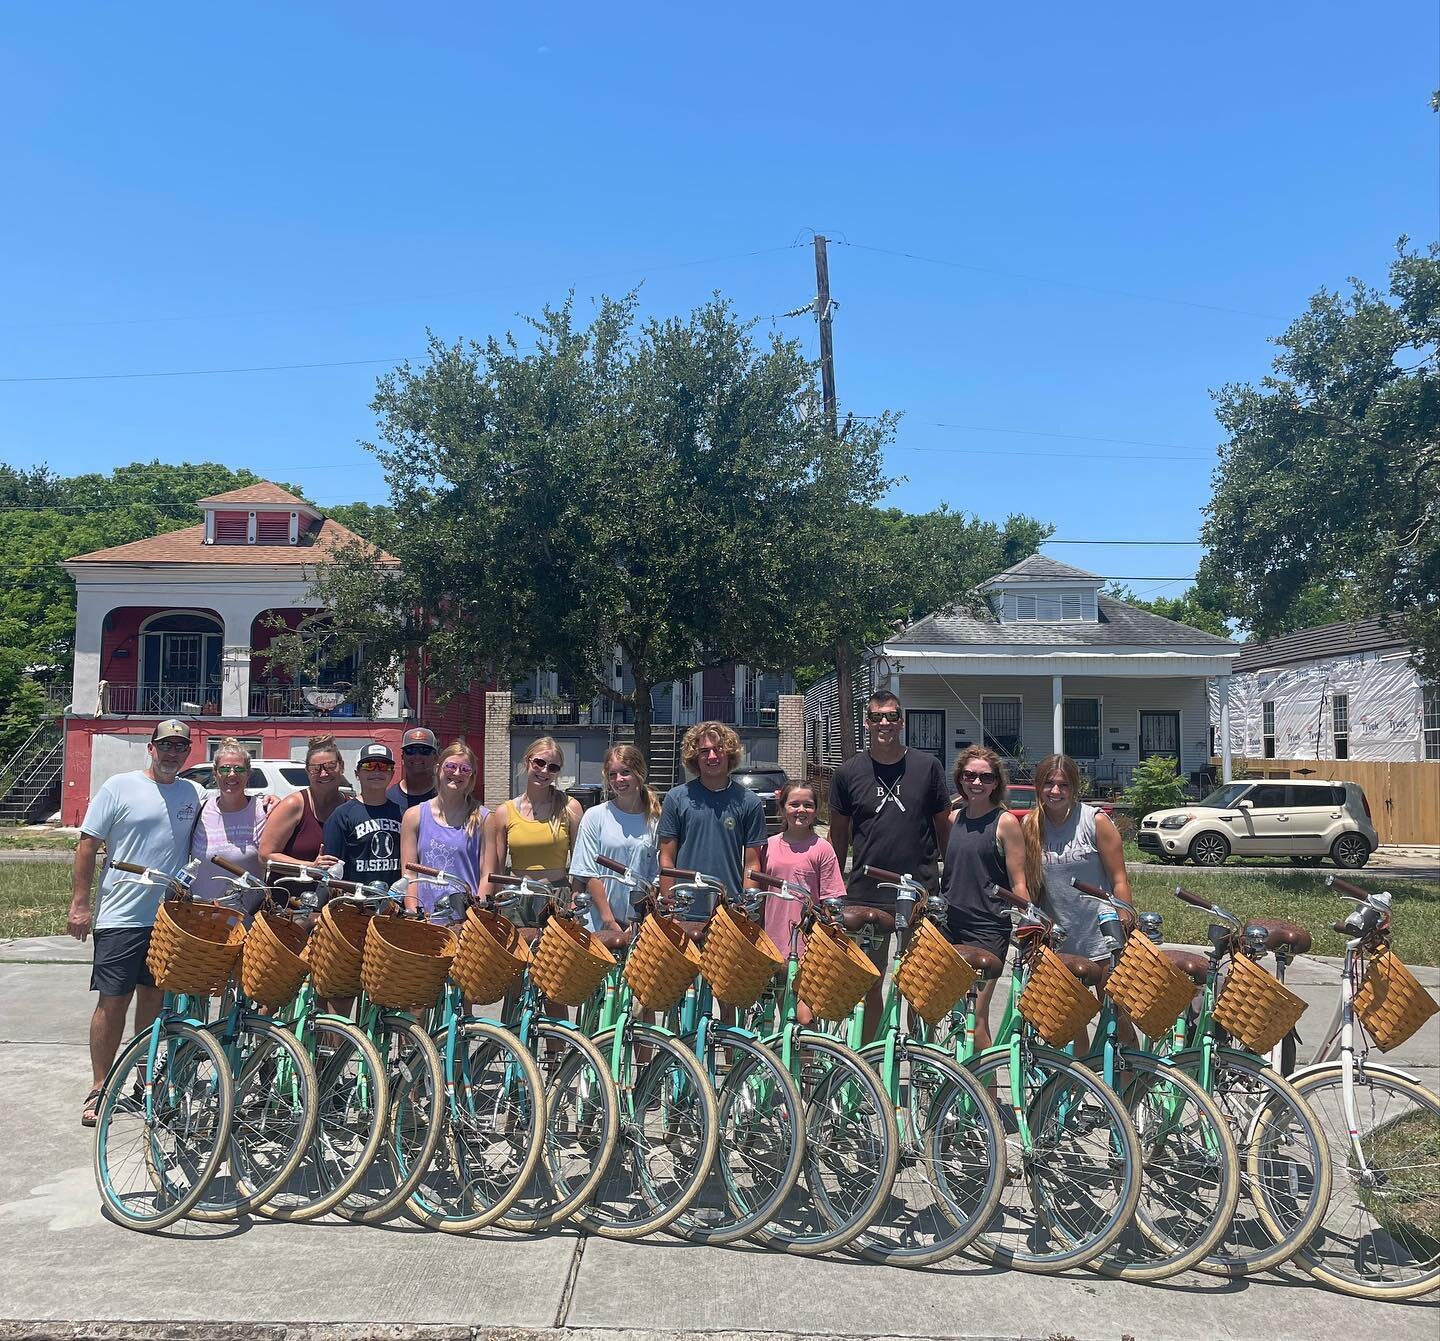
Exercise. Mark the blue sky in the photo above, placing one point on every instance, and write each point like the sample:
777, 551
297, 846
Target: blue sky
1117, 206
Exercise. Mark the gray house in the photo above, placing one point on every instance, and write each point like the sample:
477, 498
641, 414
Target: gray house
1046, 663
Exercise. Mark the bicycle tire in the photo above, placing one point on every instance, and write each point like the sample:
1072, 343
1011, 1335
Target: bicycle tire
352, 1108
834, 1083
495, 1104
1191, 1181
1263, 1111
1336, 1244
152, 1170
952, 1165
415, 1081
669, 1132
581, 1129
273, 1122
1052, 1196
761, 1113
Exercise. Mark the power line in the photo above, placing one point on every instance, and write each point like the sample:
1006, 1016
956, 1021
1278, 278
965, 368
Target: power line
1123, 542
1078, 457
1042, 433
197, 372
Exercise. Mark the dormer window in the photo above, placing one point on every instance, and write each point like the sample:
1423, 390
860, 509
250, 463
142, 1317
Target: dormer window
1048, 607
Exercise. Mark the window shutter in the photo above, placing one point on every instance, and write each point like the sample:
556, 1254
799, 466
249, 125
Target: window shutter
231, 528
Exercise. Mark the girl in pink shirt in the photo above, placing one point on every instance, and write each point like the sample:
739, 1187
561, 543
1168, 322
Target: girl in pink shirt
799, 855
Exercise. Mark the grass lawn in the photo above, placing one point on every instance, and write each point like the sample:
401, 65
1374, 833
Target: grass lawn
34, 898
37, 842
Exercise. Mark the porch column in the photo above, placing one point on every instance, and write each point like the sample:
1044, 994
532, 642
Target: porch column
1223, 685
737, 688
1057, 703
91, 607
675, 702
235, 660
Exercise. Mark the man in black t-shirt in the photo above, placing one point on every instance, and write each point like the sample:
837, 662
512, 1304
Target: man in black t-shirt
893, 804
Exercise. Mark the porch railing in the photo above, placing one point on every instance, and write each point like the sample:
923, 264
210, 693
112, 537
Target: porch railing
160, 700
606, 712
293, 700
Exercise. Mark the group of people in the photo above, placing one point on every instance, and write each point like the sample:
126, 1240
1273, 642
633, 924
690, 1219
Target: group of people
890, 806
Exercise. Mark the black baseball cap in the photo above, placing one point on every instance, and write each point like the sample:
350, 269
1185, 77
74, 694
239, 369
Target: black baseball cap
418, 735
377, 750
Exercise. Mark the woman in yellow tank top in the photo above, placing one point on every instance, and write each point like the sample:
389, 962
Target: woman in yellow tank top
532, 834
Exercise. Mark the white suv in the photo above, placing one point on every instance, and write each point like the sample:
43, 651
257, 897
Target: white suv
1303, 820
279, 777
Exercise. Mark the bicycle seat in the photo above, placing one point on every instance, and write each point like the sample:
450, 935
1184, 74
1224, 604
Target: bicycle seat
1087, 970
1290, 936
857, 916
614, 940
695, 930
1193, 966
984, 963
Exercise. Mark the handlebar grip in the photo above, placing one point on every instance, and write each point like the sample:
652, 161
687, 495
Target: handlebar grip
763, 880
346, 886
880, 873
1094, 891
504, 881
676, 873
229, 866
1194, 900
414, 868
609, 864
1009, 895
1346, 890
1341, 929
128, 866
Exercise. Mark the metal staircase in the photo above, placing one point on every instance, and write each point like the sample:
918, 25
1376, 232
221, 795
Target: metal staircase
30, 777
663, 765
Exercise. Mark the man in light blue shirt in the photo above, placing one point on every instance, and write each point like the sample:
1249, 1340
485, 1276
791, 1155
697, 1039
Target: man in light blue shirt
145, 818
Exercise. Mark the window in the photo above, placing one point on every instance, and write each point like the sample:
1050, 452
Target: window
1267, 728
925, 730
232, 528
1024, 607
252, 743
810, 739
1049, 607
1340, 724
272, 528
1000, 724
1431, 719
1082, 728
1274, 796
1071, 606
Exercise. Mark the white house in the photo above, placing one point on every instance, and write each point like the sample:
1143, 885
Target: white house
1048, 663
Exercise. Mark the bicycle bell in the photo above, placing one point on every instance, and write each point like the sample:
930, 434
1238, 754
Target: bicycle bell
1150, 924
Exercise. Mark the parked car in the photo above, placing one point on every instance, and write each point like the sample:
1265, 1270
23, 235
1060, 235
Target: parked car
765, 780
279, 777
1302, 820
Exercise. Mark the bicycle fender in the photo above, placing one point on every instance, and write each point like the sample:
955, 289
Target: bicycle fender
1382, 1068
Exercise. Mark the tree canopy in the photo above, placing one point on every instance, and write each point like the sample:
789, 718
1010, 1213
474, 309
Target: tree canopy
1326, 502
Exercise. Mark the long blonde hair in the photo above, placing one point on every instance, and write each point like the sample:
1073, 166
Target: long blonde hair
631, 758
458, 749
559, 802
1032, 827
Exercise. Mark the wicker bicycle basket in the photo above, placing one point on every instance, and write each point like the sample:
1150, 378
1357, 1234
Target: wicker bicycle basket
1254, 1007
1391, 1004
194, 946
271, 969
933, 974
405, 962
1149, 987
335, 949
834, 973
662, 963
1055, 1003
569, 962
738, 959
492, 955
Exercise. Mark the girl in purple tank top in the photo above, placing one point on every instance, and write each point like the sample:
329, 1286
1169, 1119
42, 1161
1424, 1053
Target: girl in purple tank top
448, 831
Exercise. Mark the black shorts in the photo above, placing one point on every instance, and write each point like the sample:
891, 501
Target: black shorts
964, 930
120, 961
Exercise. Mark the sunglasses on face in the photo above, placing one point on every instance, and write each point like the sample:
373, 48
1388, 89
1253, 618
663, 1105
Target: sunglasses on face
545, 766
456, 770
410, 751
978, 777
883, 716
323, 770
373, 766
173, 746
231, 770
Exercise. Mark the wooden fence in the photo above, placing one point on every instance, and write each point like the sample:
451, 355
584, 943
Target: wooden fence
1404, 798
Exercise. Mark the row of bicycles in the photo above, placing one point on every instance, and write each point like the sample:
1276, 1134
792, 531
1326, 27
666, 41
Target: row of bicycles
692, 1077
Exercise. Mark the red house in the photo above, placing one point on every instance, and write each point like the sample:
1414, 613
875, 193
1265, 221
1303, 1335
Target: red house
177, 626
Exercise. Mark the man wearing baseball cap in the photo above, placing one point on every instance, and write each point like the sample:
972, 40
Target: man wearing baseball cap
416, 783
144, 817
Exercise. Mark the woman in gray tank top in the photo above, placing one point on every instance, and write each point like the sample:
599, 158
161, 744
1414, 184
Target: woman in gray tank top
1066, 839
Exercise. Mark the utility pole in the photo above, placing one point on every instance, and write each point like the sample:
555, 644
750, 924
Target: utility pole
844, 680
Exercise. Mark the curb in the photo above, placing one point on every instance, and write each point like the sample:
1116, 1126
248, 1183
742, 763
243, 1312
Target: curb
114, 1330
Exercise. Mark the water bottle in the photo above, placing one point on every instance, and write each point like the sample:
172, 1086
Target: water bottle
1110, 928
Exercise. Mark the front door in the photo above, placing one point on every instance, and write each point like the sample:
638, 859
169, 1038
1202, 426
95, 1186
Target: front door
925, 730
1160, 734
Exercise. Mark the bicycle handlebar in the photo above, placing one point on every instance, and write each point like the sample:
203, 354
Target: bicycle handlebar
678, 873
609, 864
1094, 891
127, 866
762, 879
1194, 900
229, 866
1346, 890
880, 873
414, 868
1009, 895
505, 881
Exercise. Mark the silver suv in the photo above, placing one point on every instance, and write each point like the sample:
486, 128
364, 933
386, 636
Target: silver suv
1302, 820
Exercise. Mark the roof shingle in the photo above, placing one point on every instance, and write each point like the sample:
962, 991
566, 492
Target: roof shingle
264, 492
188, 546
1119, 625
1038, 568
1327, 640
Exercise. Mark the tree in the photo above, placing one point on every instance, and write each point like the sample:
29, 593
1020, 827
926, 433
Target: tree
373, 521
665, 491
1327, 496
1156, 784
1198, 606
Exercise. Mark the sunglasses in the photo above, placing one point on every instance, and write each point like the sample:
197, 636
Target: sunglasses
373, 766
883, 716
978, 777
172, 746
323, 770
410, 751
231, 770
546, 767
456, 770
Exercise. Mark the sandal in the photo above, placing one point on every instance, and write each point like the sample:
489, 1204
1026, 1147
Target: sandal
90, 1113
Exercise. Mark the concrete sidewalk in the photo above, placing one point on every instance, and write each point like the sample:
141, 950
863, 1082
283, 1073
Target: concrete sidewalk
69, 1272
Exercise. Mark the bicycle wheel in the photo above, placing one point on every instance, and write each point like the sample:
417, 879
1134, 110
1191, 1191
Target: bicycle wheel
352, 1107
275, 1113
952, 1161
1380, 1238
762, 1140
1191, 1180
1073, 1188
153, 1166
493, 1132
415, 1080
581, 1128
669, 1130
852, 1151
1284, 1164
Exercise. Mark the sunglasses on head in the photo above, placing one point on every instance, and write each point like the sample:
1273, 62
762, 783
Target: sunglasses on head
546, 766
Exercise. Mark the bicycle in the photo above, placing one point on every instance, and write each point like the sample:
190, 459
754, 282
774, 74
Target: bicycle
1380, 1235
1284, 1160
